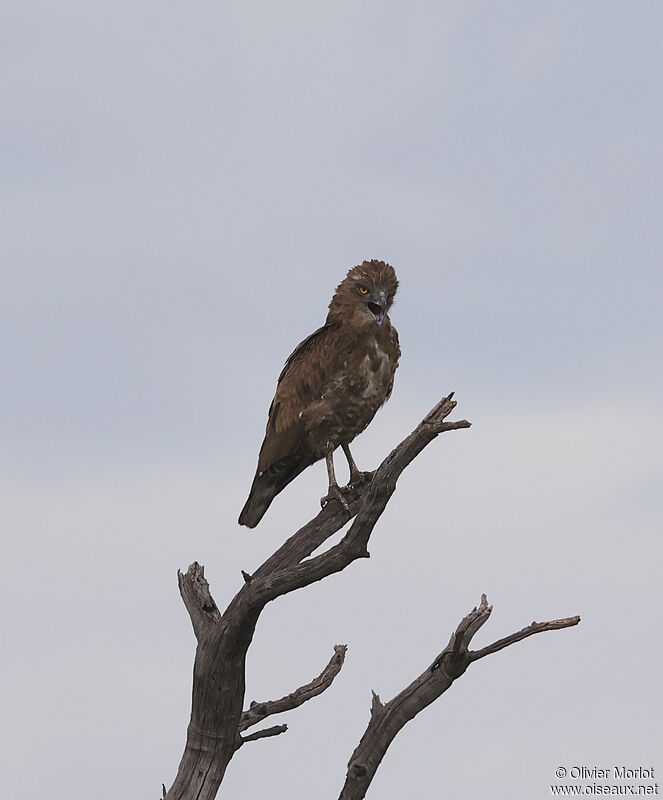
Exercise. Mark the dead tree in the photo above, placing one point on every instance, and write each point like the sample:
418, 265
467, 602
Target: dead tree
218, 722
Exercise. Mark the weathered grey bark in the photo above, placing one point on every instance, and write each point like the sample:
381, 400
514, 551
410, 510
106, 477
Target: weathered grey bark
213, 734
387, 719
217, 725
202, 767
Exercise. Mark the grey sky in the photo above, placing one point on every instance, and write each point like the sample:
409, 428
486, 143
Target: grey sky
183, 186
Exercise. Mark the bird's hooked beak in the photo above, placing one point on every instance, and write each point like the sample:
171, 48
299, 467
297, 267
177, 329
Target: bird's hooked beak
377, 308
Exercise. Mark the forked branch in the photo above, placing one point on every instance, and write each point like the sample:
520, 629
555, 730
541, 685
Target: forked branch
387, 719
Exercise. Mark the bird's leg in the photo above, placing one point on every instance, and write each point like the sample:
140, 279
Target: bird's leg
356, 475
335, 491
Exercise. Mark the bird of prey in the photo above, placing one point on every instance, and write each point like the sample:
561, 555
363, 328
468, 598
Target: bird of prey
330, 388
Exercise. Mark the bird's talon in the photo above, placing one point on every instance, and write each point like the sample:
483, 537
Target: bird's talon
336, 493
360, 479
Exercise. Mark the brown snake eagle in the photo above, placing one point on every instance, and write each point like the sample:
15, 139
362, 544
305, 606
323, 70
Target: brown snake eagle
330, 388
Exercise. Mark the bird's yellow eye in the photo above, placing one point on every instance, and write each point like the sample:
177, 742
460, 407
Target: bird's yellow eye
363, 290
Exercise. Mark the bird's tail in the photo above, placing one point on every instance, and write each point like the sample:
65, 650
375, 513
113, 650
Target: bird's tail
267, 485
260, 497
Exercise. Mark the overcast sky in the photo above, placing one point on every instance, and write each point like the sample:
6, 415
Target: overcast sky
183, 186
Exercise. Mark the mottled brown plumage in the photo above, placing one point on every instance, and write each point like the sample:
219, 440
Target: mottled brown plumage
330, 388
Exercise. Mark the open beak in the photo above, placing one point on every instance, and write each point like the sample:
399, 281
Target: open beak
377, 308
377, 311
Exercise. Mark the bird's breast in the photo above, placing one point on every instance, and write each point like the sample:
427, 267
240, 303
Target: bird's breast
376, 374
352, 397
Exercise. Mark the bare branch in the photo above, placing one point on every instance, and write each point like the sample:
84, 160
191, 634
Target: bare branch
259, 711
464, 633
389, 718
275, 730
376, 704
530, 630
195, 592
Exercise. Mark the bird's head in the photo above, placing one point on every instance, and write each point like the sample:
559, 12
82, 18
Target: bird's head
366, 293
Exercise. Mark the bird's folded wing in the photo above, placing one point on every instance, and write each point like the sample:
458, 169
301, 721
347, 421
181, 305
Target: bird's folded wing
302, 381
